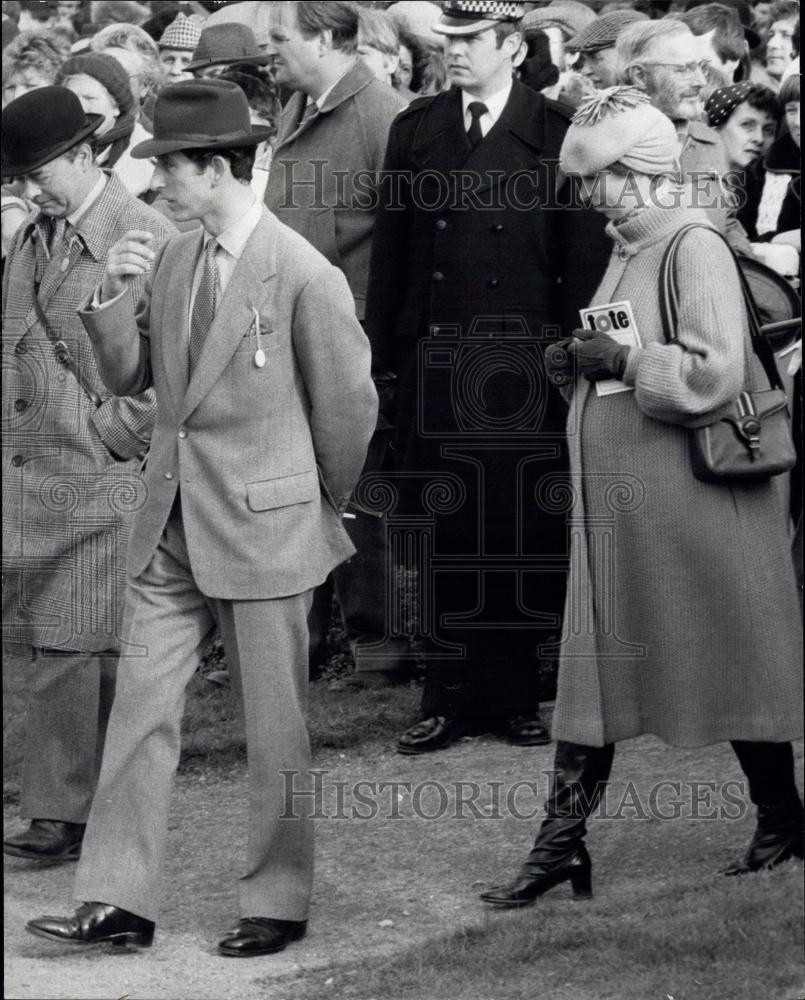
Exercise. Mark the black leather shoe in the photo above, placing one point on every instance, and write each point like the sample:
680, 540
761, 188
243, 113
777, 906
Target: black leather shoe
47, 840
435, 733
260, 936
526, 888
527, 731
96, 923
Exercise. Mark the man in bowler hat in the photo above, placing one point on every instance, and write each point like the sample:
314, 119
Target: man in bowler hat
71, 453
265, 409
474, 270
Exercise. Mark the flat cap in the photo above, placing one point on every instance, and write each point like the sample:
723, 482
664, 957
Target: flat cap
602, 33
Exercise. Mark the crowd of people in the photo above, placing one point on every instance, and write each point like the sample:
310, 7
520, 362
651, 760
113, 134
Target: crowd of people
303, 302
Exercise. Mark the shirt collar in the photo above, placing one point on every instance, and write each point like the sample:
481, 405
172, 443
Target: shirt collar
326, 93
235, 237
75, 217
494, 104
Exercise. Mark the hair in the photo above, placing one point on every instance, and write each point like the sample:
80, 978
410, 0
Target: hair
505, 28
133, 38
636, 39
336, 16
434, 72
763, 98
789, 92
260, 89
118, 11
419, 58
377, 30
729, 40
241, 159
783, 10
33, 50
37, 10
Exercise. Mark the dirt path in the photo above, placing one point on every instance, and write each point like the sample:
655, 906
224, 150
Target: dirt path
405, 876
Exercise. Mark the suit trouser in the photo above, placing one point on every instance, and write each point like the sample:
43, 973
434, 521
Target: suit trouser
68, 709
266, 648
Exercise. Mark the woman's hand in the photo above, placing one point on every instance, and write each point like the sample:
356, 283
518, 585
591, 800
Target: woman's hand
599, 356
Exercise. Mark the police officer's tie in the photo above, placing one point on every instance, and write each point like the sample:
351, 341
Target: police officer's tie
204, 305
474, 134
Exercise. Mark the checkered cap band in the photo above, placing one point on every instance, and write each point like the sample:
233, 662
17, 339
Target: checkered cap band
478, 10
183, 33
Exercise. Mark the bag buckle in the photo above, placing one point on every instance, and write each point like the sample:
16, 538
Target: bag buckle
748, 425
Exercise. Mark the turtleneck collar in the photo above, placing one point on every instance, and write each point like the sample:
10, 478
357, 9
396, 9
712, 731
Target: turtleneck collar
653, 222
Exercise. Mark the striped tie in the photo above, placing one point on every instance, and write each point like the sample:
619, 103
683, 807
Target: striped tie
204, 305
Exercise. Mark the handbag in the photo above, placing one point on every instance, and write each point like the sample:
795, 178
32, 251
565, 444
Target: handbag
751, 440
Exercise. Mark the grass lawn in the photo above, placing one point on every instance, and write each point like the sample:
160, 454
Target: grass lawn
662, 924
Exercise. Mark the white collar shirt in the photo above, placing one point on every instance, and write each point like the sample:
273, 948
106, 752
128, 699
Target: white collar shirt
494, 108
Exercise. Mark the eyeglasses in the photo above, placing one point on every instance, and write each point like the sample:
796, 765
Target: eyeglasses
683, 69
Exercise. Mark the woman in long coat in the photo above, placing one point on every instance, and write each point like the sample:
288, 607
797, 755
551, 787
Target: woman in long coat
682, 617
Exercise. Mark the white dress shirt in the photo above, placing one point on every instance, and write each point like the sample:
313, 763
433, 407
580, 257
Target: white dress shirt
494, 108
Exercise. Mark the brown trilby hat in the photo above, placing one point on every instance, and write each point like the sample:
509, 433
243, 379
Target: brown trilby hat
41, 125
200, 114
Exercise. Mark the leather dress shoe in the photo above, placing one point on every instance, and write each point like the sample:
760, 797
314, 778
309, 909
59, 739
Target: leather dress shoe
95, 923
435, 733
260, 936
527, 887
527, 731
777, 838
47, 840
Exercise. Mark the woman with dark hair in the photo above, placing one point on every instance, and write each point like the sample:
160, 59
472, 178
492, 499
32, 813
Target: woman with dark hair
265, 107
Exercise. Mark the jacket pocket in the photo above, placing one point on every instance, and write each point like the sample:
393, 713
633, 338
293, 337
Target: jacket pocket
283, 491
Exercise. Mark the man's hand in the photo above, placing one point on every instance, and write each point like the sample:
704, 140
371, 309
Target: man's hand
130, 257
598, 355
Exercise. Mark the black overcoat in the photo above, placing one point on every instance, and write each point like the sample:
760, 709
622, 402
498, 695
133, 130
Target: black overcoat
480, 259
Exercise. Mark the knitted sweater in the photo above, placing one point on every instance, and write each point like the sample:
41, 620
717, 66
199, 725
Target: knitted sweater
682, 616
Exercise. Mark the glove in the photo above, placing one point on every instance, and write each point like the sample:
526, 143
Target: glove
559, 363
598, 355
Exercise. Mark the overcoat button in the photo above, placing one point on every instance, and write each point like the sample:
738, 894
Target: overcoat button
182, 433
20, 405
20, 349
438, 276
492, 283
17, 461
65, 264
169, 475
441, 224
497, 228
434, 330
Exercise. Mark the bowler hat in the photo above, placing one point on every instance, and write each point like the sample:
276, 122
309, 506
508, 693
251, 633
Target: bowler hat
41, 125
200, 114
230, 42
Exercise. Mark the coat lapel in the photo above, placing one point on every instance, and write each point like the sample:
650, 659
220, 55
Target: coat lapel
358, 77
245, 292
176, 318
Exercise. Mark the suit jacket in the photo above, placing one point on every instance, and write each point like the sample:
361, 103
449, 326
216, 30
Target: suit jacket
323, 175
70, 470
264, 457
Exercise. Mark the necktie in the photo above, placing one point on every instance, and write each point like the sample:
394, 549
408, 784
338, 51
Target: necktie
474, 134
58, 233
204, 305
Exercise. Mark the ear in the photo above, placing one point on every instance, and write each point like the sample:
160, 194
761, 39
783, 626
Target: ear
636, 76
512, 44
221, 169
325, 42
391, 63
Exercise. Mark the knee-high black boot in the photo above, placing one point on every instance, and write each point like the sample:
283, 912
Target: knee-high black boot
769, 770
559, 854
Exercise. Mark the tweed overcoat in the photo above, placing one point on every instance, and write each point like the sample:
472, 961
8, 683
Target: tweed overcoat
681, 617
476, 267
323, 174
265, 457
70, 470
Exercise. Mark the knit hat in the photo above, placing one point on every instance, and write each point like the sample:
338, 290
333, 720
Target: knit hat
183, 33
619, 125
602, 33
722, 102
107, 71
570, 16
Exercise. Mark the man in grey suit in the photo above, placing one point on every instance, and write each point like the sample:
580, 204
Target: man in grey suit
265, 408
329, 149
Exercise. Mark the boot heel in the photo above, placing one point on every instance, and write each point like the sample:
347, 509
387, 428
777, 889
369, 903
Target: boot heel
582, 882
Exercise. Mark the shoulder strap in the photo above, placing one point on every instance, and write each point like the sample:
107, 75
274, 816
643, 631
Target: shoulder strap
63, 356
669, 302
